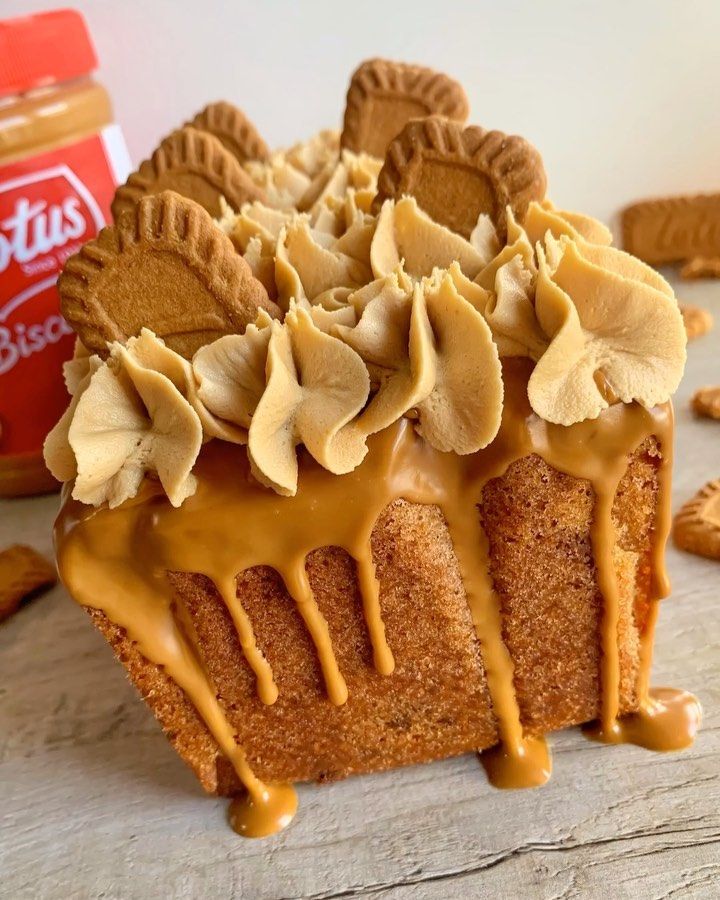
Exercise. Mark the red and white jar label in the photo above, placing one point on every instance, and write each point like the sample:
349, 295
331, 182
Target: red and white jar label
50, 205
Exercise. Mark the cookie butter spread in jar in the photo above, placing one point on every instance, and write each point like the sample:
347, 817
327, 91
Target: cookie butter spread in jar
60, 160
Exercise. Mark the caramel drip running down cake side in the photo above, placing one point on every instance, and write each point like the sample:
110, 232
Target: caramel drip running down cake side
357, 349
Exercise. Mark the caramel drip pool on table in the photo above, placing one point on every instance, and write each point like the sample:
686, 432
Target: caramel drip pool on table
117, 560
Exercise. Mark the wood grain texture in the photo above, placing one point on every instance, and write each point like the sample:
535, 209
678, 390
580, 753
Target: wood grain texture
94, 803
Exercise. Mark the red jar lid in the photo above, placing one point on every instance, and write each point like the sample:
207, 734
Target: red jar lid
44, 49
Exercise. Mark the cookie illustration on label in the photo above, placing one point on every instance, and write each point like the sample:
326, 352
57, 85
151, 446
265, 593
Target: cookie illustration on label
166, 266
383, 96
457, 173
697, 525
673, 229
233, 129
192, 163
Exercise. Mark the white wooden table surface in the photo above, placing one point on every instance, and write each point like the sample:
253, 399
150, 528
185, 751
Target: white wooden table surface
94, 803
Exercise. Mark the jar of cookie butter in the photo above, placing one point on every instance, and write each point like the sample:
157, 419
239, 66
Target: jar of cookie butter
61, 157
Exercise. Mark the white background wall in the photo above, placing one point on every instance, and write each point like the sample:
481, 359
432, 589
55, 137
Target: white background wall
621, 97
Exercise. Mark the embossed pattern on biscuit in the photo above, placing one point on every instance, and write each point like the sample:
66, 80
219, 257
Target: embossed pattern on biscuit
697, 526
233, 129
192, 163
672, 229
166, 266
383, 96
456, 173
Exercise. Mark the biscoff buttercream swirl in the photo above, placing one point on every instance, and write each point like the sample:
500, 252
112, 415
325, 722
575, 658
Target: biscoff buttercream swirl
329, 379
288, 175
127, 420
309, 263
386, 316
315, 385
311, 176
77, 372
603, 312
353, 179
137, 412
404, 233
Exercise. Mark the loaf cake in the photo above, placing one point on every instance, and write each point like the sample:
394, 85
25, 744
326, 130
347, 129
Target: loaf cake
368, 465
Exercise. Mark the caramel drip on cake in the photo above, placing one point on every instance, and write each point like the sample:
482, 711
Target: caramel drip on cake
603, 544
96, 565
455, 484
667, 718
370, 593
298, 586
516, 761
117, 561
266, 687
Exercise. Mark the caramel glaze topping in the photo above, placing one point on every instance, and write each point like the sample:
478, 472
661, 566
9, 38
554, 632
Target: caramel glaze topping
117, 560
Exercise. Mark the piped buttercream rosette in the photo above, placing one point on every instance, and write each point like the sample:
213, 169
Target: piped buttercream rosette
603, 312
126, 419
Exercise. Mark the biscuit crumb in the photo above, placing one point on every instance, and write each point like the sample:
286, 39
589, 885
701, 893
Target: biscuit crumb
23, 572
706, 402
698, 321
701, 267
697, 526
